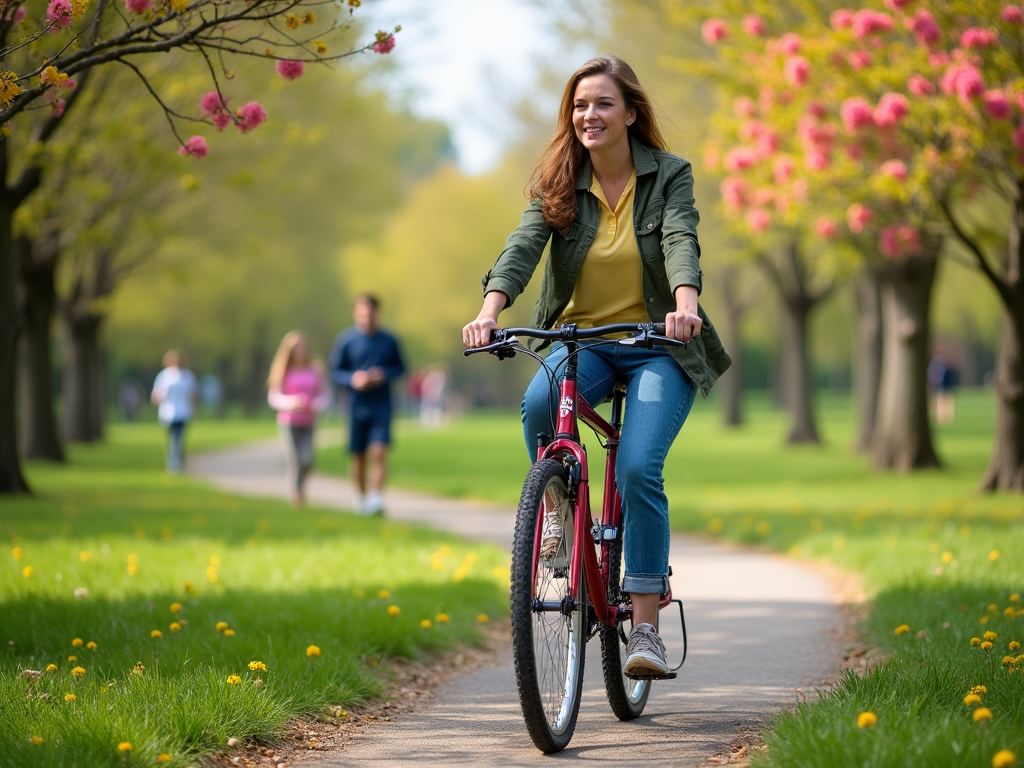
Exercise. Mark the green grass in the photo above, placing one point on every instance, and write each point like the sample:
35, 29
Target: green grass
932, 553
137, 542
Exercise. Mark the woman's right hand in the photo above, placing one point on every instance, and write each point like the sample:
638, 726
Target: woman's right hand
478, 332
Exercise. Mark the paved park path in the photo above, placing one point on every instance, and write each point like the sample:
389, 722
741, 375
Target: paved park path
760, 628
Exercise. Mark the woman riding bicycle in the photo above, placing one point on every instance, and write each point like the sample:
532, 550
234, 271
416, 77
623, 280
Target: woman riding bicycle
619, 213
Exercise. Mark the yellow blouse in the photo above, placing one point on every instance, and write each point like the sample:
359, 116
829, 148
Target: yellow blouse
609, 288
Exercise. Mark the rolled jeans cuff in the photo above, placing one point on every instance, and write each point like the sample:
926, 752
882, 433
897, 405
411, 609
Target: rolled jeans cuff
645, 583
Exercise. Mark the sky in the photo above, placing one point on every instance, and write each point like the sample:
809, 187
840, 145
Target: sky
465, 62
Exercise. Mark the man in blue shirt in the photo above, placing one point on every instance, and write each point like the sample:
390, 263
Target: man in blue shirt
365, 360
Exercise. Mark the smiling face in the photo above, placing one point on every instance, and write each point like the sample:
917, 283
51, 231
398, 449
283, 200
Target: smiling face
599, 116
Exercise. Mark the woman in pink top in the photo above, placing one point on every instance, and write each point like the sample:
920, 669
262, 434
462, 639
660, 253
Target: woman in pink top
298, 391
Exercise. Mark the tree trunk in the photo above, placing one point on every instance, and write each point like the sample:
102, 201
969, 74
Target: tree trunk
1006, 467
254, 391
39, 435
81, 347
797, 361
867, 367
790, 278
903, 438
732, 381
12, 481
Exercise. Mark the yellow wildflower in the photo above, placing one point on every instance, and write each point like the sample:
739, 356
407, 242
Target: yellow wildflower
986, 646
426, 624
394, 610
139, 668
9, 88
982, 713
179, 6
84, 555
132, 569
27, 571
901, 629
78, 8
257, 665
975, 641
190, 588
91, 645
979, 689
383, 594
483, 618
78, 671
442, 618
124, 746
163, 757
990, 635
175, 627
292, 21
866, 719
972, 700
229, 633
234, 680
72, 658
51, 667
1014, 645
1004, 758
37, 740
984, 620
77, 642
175, 607
1009, 660
1015, 597
17, 552
947, 557
156, 634
312, 651
993, 555
221, 626
1010, 612
69, 697
310, 18
321, 46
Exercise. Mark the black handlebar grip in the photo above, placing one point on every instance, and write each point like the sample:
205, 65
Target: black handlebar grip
659, 329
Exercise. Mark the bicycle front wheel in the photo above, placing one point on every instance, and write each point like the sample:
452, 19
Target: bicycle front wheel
626, 696
548, 627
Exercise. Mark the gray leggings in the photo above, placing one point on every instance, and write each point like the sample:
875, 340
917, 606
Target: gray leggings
298, 453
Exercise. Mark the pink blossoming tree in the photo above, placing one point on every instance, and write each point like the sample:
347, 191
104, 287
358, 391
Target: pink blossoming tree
47, 54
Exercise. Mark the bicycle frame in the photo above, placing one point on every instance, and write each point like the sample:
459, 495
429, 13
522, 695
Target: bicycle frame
572, 408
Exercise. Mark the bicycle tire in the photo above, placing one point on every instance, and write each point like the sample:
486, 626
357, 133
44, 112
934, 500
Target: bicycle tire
627, 697
547, 646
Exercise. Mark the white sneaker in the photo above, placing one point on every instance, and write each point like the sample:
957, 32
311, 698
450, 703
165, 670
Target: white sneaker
645, 653
373, 504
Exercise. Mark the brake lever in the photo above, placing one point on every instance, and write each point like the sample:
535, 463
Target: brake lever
492, 347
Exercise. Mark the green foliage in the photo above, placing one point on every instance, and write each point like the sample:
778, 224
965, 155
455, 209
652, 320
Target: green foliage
150, 551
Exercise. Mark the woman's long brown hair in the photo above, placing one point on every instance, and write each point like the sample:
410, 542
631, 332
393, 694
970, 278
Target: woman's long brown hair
554, 178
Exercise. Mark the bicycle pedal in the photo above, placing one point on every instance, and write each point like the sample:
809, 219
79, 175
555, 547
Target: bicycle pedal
651, 675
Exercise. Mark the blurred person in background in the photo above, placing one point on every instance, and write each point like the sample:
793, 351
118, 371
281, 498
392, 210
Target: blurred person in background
365, 360
176, 394
297, 391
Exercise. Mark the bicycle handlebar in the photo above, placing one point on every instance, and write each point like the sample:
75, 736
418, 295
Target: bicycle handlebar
647, 334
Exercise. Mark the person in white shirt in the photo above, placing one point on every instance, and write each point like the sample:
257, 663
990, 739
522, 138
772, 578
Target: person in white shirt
176, 392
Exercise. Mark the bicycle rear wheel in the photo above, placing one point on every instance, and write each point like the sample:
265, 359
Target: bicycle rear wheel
548, 628
626, 696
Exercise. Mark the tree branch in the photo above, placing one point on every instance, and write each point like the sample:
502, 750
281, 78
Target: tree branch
1001, 286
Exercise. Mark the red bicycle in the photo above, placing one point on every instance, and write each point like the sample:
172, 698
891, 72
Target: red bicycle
566, 567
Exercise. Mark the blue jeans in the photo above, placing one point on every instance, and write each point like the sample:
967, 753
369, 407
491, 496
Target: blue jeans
175, 447
659, 396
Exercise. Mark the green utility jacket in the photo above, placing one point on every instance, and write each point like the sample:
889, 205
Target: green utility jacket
665, 222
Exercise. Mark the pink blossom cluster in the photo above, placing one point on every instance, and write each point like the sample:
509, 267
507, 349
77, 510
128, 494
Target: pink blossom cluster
797, 70
215, 106
825, 227
782, 169
789, 44
735, 191
16, 15
194, 147
753, 25
858, 216
385, 43
58, 107
978, 37
859, 59
897, 5
817, 139
894, 169
919, 85
899, 240
997, 105
841, 19
138, 7
744, 106
758, 219
923, 26
868, 22
1012, 14
290, 70
856, 113
59, 15
250, 116
892, 107
712, 31
739, 159
964, 80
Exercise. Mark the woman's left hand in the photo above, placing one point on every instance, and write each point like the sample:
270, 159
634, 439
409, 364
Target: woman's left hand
684, 323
